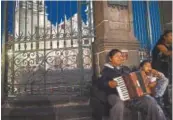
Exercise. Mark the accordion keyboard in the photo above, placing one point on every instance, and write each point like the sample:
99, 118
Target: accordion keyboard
122, 89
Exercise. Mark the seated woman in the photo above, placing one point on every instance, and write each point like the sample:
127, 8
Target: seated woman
150, 109
157, 80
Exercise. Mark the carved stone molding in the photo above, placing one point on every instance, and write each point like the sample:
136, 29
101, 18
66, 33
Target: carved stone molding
117, 3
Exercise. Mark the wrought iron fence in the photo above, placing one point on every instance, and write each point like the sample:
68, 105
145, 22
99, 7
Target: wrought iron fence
46, 58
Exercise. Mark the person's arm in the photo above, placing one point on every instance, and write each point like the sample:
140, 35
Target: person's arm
164, 50
158, 74
155, 73
162, 77
104, 81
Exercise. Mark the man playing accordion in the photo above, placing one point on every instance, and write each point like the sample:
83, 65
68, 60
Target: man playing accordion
147, 104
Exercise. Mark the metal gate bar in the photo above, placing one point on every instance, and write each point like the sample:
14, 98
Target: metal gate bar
47, 59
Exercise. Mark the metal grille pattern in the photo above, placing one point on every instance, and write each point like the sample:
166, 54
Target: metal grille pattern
49, 59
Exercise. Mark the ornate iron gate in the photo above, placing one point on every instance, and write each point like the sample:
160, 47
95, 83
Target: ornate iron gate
46, 58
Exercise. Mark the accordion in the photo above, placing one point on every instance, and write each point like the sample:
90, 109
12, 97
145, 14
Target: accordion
132, 85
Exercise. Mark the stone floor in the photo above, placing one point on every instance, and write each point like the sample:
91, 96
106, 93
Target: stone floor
44, 109
67, 112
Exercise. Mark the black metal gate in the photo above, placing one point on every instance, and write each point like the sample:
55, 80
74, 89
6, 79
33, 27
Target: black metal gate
46, 55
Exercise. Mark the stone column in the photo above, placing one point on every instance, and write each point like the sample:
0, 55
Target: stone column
114, 29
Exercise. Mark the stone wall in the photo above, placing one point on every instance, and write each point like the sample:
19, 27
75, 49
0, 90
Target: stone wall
114, 29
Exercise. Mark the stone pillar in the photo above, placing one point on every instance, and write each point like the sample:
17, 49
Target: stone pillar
114, 29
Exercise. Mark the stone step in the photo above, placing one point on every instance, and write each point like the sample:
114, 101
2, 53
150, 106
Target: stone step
45, 118
52, 88
30, 100
71, 111
82, 118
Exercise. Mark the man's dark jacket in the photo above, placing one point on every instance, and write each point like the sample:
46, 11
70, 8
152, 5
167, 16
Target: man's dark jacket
108, 73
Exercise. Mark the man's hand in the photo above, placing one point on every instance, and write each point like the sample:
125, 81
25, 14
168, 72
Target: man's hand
155, 73
152, 85
112, 84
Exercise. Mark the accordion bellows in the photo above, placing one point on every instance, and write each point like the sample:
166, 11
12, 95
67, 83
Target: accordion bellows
132, 85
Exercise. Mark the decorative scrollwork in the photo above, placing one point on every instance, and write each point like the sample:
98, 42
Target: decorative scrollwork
45, 61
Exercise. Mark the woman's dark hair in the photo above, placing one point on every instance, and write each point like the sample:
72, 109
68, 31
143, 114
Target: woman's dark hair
144, 62
113, 52
161, 40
